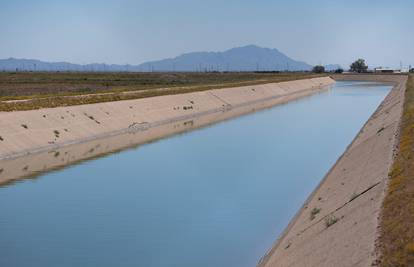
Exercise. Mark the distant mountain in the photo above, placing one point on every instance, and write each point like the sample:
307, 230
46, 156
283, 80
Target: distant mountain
247, 58
14, 64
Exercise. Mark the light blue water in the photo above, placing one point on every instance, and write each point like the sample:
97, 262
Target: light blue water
217, 196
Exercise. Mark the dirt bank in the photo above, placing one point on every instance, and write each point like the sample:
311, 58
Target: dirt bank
338, 224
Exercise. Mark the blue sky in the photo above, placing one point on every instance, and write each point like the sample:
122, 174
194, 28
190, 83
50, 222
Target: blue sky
127, 31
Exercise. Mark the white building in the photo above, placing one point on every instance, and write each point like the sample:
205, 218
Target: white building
383, 70
389, 70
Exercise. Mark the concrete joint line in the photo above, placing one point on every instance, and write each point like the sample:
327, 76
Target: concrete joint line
219, 98
339, 208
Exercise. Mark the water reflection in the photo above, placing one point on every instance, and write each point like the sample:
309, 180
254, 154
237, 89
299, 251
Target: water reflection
32, 165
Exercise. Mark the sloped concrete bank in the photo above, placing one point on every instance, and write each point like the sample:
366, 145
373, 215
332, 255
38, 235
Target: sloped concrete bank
40, 140
338, 223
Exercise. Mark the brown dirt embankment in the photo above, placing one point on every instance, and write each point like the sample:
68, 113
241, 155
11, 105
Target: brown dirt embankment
396, 246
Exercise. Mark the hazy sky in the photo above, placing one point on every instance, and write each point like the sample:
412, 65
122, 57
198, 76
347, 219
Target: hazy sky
127, 31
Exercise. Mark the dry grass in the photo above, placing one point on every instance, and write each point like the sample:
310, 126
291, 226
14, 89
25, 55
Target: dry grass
397, 222
41, 90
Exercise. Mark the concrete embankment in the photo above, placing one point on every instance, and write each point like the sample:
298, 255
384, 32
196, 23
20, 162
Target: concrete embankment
338, 223
40, 140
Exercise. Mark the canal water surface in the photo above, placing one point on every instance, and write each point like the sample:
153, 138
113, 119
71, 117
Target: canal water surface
217, 196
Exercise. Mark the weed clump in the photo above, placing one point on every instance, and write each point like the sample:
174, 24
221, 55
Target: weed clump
330, 220
314, 212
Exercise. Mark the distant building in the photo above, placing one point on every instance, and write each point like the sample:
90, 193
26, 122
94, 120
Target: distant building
389, 70
383, 70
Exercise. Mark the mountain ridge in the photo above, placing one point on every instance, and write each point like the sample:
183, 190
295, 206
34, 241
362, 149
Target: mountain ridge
244, 58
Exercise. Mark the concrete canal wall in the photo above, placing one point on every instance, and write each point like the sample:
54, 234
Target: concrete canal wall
25, 132
338, 224
99, 129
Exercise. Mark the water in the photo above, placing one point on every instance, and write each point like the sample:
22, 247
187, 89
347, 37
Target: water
217, 196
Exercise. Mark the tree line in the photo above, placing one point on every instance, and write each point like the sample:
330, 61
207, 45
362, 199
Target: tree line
358, 66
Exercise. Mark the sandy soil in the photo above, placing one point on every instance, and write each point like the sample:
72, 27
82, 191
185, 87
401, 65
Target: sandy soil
338, 224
